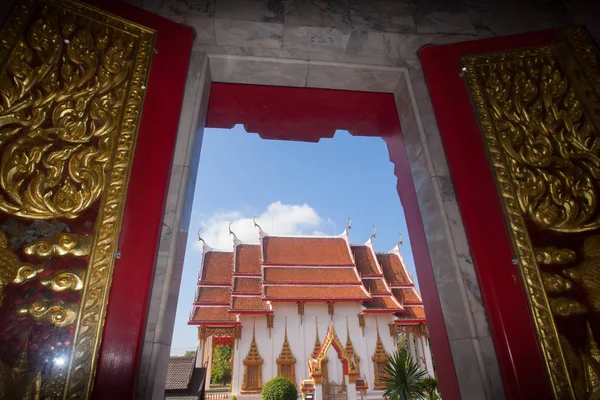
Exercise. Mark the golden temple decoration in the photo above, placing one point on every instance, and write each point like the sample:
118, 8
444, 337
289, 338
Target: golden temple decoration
553, 255
317, 345
361, 323
536, 111
65, 280
301, 311
72, 87
331, 309
58, 313
352, 356
380, 359
316, 362
252, 368
12, 270
18, 382
62, 244
204, 332
286, 362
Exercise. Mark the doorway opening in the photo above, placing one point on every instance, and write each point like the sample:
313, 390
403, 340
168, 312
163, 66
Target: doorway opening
307, 116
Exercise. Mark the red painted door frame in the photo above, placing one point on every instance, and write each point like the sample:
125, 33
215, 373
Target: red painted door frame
511, 324
304, 114
125, 324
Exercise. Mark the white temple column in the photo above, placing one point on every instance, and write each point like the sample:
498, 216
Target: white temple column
318, 391
420, 355
200, 353
237, 375
350, 388
428, 359
411, 345
208, 346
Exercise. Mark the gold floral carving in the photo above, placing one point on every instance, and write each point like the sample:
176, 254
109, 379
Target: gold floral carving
252, 368
63, 244
361, 323
56, 313
204, 332
18, 381
533, 108
315, 364
65, 280
270, 318
352, 356
72, 89
301, 311
286, 362
380, 359
12, 270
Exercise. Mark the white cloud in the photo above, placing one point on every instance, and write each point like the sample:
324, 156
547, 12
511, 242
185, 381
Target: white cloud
278, 218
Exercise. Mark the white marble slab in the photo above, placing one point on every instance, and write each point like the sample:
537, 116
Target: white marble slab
328, 13
311, 38
352, 77
393, 16
258, 70
250, 10
442, 16
248, 34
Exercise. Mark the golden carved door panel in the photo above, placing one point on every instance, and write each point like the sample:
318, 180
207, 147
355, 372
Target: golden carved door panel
539, 111
72, 85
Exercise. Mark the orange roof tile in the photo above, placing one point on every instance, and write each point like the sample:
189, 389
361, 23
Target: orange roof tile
409, 295
217, 267
248, 304
398, 295
212, 314
392, 269
247, 258
323, 293
247, 285
365, 262
213, 295
412, 313
382, 303
305, 251
334, 275
375, 286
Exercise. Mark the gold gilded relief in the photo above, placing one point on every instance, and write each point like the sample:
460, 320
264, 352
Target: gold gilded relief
65, 280
533, 108
72, 84
62, 244
58, 314
12, 270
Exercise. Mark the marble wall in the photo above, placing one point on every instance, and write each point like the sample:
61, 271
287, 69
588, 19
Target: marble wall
343, 44
356, 45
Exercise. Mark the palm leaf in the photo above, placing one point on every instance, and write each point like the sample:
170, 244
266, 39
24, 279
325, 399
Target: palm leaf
403, 381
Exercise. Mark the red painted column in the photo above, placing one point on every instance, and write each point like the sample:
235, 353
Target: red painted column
511, 324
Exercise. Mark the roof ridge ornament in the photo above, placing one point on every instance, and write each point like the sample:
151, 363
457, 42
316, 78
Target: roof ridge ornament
205, 246
373, 235
400, 242
349, 226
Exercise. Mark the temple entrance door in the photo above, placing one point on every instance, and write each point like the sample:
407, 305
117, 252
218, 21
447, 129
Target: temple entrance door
334, 391
109, 87
519, 195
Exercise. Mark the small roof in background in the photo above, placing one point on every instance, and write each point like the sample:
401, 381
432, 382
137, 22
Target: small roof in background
179, 373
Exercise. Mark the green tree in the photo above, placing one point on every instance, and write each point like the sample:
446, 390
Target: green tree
221, 365
430, 388
190, 353
279, 389
404, 377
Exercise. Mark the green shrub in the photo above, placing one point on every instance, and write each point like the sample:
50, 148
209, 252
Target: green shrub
232, 398
279, 389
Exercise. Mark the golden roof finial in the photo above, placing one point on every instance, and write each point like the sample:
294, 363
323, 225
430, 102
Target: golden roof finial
349, 225
400, 242
256, 225
374, 235
317, 346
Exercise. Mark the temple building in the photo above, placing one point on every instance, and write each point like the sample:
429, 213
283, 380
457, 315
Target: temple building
317, 310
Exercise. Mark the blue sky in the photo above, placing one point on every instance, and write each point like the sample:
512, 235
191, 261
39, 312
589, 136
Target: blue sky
294, 188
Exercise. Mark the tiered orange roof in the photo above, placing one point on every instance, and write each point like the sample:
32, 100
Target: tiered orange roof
403, 288
247, 283
383, 301
251, 276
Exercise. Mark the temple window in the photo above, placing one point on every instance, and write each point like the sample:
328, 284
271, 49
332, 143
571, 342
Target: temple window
252, 369
286, 362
